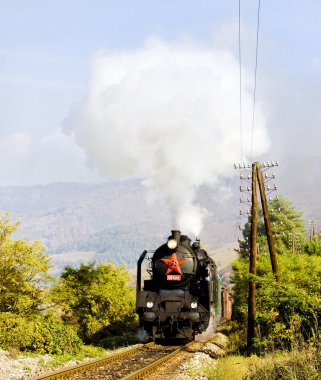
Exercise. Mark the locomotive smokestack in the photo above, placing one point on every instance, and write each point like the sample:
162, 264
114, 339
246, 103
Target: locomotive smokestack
176, 235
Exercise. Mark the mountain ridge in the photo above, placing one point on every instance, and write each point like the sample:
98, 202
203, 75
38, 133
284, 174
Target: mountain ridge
111, 221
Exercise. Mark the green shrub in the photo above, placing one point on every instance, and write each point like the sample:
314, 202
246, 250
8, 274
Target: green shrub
42, 334
53, 337
97, 299
288, 312
116, 341
16, 332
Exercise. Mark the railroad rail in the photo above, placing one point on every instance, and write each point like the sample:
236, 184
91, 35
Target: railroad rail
96, 369
141, 373
60, 374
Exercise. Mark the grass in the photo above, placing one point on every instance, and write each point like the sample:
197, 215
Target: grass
295, 365
304, 364
85, 352
228, 368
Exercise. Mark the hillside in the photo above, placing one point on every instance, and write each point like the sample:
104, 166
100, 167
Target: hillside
105, 222
111, 222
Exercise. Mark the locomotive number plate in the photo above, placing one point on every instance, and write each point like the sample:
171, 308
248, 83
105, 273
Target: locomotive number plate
174, 277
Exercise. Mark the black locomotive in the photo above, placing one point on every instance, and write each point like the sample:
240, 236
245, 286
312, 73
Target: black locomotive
181, 292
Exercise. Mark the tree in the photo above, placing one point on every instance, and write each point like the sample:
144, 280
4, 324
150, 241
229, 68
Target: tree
96, 298
313, 246
288, 311
287, 227
23, 271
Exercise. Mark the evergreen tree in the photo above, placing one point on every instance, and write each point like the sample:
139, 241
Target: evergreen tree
313, 246
287, 228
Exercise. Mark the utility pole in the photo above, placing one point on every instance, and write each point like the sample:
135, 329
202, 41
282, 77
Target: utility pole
312, 229
295, 243
267, 224
253, 253
256, 178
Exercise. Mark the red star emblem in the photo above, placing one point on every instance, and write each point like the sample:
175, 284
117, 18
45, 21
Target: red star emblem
173, 265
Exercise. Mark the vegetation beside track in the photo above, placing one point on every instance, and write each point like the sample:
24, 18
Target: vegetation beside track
92, 304
287, 313
288, 333
298, 364
85, 351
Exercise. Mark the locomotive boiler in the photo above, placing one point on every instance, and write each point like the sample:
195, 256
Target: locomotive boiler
181, 290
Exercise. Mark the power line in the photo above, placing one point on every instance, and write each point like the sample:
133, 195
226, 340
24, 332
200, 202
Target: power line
240, 93
256, 56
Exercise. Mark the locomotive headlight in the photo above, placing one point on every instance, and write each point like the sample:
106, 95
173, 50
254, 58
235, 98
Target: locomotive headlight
172, 244
193, 305
150, 304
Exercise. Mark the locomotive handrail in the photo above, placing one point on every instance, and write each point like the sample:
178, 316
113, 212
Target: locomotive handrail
139, 270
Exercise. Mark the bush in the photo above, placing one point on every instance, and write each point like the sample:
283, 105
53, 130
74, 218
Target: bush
42, 334
285, 313
15, 332
116, 341
53, 337
97, 300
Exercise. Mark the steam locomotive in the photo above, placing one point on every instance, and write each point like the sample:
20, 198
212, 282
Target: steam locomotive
182, 290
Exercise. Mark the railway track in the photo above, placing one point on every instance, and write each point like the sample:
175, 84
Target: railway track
131, 364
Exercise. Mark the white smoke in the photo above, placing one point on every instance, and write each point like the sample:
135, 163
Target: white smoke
27, 160
142, 335
168, 113
211, 328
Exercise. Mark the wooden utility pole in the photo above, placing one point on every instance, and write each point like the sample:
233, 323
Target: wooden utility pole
267, 223
257, 178
312, 230
253, 252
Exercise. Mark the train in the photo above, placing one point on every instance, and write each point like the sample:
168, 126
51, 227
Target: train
179, 290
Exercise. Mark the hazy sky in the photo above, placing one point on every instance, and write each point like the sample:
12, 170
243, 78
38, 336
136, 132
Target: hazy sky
47, 50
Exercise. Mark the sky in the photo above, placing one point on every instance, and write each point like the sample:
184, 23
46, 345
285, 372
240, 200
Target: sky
63, 64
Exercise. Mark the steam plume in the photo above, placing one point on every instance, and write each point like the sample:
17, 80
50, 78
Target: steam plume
168, 113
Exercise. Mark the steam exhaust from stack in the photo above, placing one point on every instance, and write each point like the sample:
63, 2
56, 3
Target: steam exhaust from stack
167, 113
